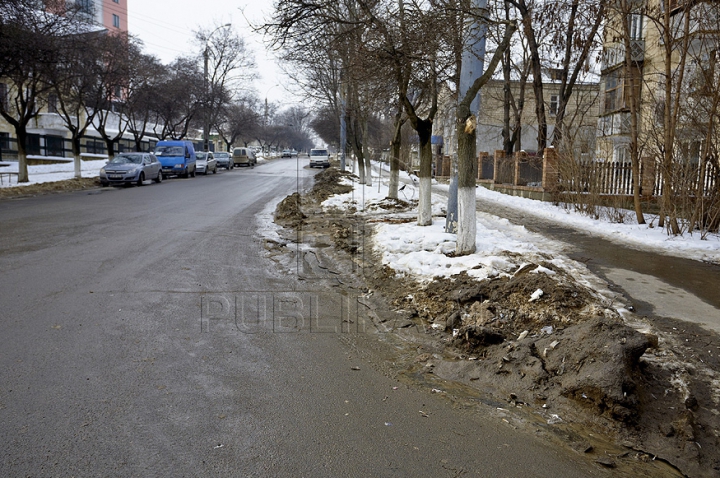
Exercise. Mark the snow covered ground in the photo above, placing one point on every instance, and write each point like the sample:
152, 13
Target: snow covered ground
47, 173
502, 247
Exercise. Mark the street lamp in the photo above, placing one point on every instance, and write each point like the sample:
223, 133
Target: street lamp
206, 119
265, 118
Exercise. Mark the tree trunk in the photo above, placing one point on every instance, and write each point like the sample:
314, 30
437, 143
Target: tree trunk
395, 145
77, 159
21, 134
368, 163
424, 131
467, 172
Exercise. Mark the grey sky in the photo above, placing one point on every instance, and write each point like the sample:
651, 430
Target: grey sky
165, 26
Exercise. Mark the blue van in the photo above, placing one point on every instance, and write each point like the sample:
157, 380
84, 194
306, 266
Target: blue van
177, 158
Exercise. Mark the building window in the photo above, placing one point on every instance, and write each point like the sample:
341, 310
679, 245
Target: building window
55, 146
4, 102
554, 102
52, 103
613, 91
116, 21
4, 142
635, 26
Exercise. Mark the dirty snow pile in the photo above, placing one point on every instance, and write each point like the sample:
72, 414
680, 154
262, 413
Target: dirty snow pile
425, 252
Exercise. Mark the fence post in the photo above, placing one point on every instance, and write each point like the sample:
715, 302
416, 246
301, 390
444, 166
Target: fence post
519, 156
647, 186
550, 170
499, 156
481, 157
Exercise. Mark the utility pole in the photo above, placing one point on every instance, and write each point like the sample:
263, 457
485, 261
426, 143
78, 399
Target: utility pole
473, 61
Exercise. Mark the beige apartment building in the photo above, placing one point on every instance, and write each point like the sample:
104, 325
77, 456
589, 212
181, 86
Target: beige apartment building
683, 35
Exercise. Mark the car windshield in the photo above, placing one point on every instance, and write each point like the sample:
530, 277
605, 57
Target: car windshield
221, 155
201, 155
318, 152
169, 151
127, 159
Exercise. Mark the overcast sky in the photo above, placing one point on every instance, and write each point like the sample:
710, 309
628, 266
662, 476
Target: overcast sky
166, 26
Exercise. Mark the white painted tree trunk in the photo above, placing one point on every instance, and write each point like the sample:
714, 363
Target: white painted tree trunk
77, 160
467, 223
425, 203
394, 184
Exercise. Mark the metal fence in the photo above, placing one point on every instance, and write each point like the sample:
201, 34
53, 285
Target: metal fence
57, 146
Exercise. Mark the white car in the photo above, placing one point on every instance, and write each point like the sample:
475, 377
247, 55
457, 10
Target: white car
319, 158
205, 162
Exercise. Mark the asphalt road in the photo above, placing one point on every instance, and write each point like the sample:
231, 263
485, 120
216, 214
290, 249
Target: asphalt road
144, 332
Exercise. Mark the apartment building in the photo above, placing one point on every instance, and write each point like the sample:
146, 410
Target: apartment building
673, 49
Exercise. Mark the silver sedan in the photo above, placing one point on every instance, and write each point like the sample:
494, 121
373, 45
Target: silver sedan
131, 168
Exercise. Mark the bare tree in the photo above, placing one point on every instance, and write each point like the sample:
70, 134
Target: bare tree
28, 53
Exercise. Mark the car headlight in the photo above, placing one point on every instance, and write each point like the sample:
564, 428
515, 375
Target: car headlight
102, 171
131, 171
179, 166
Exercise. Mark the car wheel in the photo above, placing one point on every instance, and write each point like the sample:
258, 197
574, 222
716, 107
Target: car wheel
215, 170
193, 173
186, 174
159, 177
141, 178
104, 184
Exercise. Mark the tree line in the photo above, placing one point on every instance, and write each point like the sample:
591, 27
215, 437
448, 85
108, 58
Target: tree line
95, 80
387, 62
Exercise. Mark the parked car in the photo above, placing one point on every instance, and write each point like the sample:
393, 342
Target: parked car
206, 162
177, 158
223, 160
286, 154
244, 156
131, 168
319, 158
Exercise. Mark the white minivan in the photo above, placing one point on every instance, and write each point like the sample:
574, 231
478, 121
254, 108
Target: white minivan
319, 158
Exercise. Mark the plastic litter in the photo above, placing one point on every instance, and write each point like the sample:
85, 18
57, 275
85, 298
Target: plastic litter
536, 295
523, 334
554, 419
548, 329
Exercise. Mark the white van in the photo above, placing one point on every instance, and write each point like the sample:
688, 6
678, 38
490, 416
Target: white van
319, 158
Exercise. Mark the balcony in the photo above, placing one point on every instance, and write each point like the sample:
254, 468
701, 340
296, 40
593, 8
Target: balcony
614, 54
614, 124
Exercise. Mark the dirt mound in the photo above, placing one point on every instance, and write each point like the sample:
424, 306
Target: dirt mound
49, 188
327, 183
288, 213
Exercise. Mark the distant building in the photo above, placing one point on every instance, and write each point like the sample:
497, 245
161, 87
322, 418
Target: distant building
111, 14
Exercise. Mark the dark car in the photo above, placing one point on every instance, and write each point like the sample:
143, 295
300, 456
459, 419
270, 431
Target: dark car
131, 168
224, 160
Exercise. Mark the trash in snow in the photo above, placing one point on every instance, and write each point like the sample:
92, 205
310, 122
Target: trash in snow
523, 334
219, 445
437, 390
354, 368
548, 329
456, 332
553, 344
554, 419
424, 414
536, 295
437, 326
388, 424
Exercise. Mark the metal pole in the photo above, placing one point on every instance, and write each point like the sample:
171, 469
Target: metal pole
473, 62
206, 120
